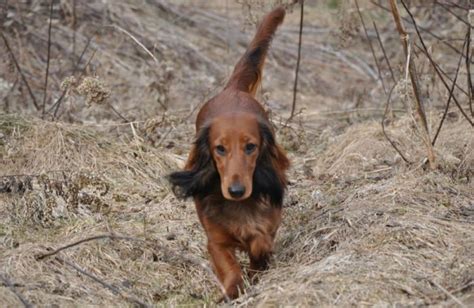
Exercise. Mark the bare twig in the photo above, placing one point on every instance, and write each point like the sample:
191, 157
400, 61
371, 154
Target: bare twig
387, 104
11, 286
414, 82
446, 8
48, 58
35, 103
295, 86
384, 53
451, 93
432, 62
112, 288
371, 47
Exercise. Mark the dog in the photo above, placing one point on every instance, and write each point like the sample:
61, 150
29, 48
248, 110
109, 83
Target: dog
235, 171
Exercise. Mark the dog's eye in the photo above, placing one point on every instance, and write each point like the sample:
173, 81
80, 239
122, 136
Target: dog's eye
250, 147
220, 150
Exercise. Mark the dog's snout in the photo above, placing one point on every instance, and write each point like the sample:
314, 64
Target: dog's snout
236, 190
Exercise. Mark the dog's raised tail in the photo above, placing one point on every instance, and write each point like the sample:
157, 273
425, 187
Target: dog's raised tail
247, 73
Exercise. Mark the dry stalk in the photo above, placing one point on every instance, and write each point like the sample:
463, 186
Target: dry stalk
295, 86
414, 82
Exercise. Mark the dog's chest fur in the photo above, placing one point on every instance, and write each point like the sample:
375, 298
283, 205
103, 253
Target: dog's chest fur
243, 220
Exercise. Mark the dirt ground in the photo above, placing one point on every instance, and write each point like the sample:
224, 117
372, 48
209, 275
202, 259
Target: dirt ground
88, 218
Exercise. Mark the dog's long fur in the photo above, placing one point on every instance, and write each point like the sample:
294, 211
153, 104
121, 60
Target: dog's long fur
235, 118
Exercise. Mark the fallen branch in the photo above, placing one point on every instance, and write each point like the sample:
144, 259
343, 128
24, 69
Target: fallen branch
11, 286
181, 256
106, 285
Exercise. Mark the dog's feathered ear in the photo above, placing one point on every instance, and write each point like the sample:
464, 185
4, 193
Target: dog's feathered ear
269, 176
200, 172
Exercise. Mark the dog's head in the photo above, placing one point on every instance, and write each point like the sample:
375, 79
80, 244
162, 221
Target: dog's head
235, 153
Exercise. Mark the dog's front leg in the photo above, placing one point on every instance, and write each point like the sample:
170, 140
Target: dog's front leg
227, 268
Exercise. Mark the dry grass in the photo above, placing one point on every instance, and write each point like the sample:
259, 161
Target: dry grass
360, 226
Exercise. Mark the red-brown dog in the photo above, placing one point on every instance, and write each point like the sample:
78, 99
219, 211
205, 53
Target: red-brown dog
236, 171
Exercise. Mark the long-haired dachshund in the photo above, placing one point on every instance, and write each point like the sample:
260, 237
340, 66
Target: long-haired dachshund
235, 171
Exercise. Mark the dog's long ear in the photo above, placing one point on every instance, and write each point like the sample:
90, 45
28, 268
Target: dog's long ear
200, 174
269, 176
247, 73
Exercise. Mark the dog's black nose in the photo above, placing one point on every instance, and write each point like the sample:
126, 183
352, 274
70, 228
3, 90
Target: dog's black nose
236, 190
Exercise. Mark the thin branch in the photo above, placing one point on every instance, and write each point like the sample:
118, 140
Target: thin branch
451, 93
371, 47
445, 74
48, 58
387, 104
21, 72
432, 62
440, 39
112, 288
11, 286
446, 8
295, 86
384, 53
